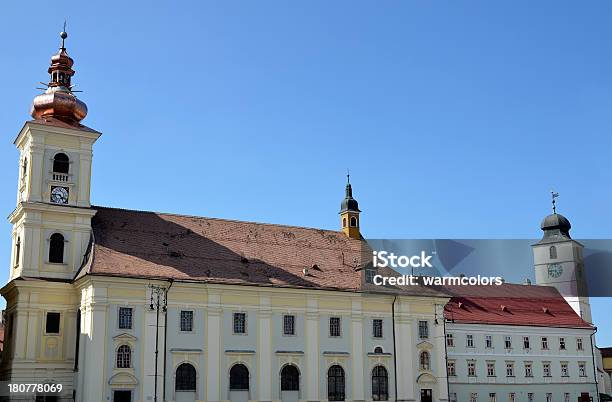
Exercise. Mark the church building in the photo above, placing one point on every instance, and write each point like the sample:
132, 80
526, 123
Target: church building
121, 305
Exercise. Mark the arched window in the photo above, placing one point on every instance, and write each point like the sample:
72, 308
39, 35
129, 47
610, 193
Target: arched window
56, 248
553, 252
24, 168
290, 378
239, 378
380, 384
61, 163
17, 251
124, 357
185, 378
343, 222
335, 383
424, 361
353, 221
378, 350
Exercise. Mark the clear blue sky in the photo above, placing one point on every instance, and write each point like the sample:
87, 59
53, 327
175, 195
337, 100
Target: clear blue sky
456, 118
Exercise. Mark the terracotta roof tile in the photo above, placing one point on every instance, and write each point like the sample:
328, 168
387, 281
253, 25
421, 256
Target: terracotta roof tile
522, 305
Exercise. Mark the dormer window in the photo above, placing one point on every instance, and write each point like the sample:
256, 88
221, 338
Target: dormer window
61, 163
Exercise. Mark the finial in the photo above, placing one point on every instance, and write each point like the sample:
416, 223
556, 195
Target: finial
63, 35
554, 202
348, 176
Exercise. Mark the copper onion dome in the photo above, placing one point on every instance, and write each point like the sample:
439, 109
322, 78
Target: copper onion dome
58, 100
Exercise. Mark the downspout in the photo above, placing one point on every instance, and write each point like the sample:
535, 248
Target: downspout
166, 341
594, 364
445, 353
394, 347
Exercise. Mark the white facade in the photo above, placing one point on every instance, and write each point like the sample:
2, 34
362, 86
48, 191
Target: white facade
502, 372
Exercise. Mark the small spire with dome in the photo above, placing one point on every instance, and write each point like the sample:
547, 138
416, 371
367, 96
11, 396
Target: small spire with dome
58, 101
349, 212
555, 226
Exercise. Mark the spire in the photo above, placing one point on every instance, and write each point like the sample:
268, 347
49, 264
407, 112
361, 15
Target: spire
349, 212
555, 226
58, 101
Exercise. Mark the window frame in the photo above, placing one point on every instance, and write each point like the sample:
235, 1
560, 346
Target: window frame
509, 369
423, 328
380, 396
245, 323
51, 249
180, 319
491, 368
293, 325
471, 367
451, 337
59, 322
376, 335
469, 341
544, 343
331, 335
183, 387
129, 356
451, 363
488, 341
131, 319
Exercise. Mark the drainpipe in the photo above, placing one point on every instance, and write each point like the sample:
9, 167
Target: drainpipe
445, 355
594, 364
166, 341
394, 348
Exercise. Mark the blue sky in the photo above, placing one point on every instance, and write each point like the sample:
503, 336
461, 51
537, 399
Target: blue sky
455, 118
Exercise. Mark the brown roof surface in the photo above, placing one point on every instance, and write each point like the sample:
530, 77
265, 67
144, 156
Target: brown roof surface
52, 121
606, 352
149, 244
511, 304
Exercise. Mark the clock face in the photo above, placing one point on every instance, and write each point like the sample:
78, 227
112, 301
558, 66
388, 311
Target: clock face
59, 195
555, 270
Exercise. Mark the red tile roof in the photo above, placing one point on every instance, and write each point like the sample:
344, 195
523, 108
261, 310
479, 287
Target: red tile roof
606, 352
511, 304
158, 245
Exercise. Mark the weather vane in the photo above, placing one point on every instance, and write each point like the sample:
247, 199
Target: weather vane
63, 35
554, 202
348, 175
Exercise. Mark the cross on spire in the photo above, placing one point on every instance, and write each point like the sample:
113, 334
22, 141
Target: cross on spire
554, 202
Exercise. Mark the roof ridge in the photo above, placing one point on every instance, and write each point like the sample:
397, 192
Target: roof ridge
218, 219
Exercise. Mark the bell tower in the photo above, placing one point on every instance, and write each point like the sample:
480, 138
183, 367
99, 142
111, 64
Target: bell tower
558, 261
349, 212
51, 223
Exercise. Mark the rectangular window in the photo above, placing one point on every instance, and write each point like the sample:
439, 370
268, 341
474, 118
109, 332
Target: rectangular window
561, 343
544, 343
492, 397
530, 397
186, 320
451, 368
474, 397
125, 318
566, 397
564, 369
450, 341
52, 325
488, 341
525, 342
582, 369
509, 369
334, 327
369, 275
288, 324
546, 369
508, 342
469, 341
453, 397
579, 343
240, 323
471, 364
528, 371
549, 397
377, 328
511, 397
423, 329
490, 369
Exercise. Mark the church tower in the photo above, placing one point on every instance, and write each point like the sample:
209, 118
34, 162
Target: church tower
51, 223
349, 213
558, 261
